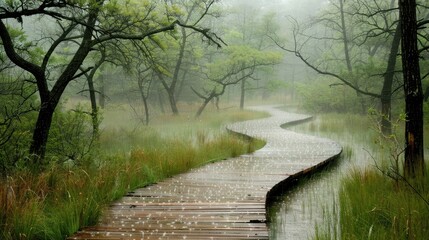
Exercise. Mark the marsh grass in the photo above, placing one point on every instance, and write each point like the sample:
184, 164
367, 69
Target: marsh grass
374, 207
368, 204
57, 202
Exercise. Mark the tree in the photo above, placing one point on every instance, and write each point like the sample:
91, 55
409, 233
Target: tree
192, 13
145, 78
249, 26
145, 83
414, 149
239, 64
85, 25
413, 45
92, 91
339, 23
376, 22
387, 91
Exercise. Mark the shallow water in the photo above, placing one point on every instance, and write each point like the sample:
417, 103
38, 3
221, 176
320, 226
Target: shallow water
299, 211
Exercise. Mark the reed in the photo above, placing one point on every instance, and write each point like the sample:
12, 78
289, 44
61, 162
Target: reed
373, 207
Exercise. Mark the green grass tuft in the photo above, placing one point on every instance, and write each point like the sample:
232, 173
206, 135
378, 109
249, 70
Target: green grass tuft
375, 207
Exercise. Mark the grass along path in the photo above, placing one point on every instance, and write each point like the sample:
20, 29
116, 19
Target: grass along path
62, 199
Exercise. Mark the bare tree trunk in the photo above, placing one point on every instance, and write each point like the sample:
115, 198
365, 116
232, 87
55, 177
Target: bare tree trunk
173, 103
172, 88
92, 97
386, 92
414, 154
345, 38
243, 93
145, 105
202, 107
181, 85
102, 95
161, 100
94, 108
146, 111
41, 132
347, 53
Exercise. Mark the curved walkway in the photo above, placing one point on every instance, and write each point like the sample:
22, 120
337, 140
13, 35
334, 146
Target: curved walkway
224, 200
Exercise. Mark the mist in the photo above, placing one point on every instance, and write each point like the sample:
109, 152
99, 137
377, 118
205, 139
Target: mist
149, 108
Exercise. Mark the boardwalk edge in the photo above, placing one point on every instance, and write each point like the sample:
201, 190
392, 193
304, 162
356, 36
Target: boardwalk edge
285, 185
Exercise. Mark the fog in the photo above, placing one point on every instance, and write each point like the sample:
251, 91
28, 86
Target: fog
269, 31
98, 98
238, 22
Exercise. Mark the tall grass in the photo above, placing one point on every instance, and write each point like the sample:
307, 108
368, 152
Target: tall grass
374, 207
369, 204
57, 202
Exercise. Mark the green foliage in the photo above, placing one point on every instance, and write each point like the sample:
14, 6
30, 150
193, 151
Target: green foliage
71, 136
326, 95
276, 85
16, 120
25, 47
70, 140
242, 57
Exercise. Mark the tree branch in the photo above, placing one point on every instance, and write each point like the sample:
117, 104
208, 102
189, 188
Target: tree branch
34, 69
315, 68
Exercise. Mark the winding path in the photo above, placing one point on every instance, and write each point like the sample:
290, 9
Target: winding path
224, 200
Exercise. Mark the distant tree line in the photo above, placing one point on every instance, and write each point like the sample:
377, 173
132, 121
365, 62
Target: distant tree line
164, 50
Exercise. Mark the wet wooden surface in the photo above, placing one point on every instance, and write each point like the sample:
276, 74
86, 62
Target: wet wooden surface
223, 200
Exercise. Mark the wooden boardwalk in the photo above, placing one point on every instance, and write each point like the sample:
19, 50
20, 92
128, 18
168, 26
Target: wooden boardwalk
223, 200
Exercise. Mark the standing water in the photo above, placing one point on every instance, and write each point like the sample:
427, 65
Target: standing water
310, 205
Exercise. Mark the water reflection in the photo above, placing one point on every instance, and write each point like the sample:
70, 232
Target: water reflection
304, 208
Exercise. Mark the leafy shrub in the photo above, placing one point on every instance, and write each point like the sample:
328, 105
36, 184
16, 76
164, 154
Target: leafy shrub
16, 121
71, 137
326, 95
